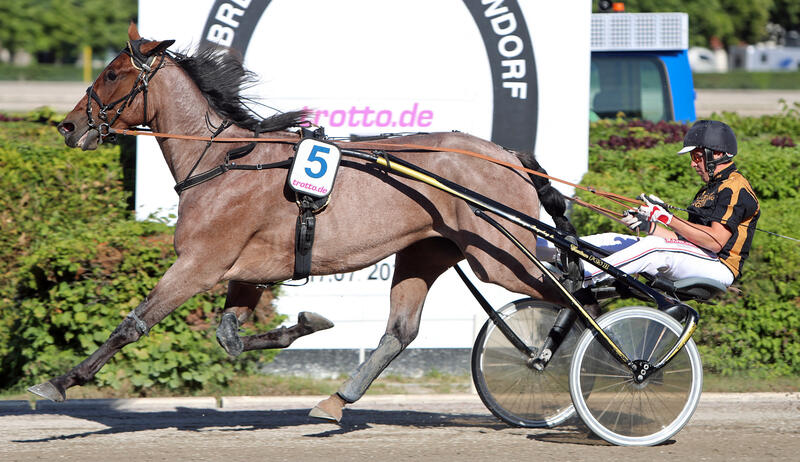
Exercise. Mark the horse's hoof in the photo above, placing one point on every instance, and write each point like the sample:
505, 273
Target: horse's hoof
228, 335
329, 409
319, 413
49, 391
313, 321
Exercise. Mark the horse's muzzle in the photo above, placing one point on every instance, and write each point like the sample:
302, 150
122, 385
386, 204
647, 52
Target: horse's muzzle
86, 139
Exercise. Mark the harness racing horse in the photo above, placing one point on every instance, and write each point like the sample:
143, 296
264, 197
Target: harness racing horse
240, 227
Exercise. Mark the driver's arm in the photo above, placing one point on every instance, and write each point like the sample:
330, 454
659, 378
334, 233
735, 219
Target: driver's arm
712, 237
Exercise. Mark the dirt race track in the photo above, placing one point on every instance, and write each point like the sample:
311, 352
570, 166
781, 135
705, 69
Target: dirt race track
725, 427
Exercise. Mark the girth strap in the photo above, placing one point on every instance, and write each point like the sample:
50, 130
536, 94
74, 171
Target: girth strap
304, 234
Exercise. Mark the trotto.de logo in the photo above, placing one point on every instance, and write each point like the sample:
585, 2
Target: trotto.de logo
367, 116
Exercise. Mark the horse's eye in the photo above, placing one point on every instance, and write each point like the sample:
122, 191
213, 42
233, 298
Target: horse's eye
111, 75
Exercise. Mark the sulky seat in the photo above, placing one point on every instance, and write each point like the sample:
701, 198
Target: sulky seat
697, 288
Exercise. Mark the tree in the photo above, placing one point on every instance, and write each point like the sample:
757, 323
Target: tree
107, 22
786, 13
63, 27
749, 18
18, 27
732, 21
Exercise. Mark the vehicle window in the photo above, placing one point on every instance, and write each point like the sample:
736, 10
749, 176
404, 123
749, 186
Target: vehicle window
633, 85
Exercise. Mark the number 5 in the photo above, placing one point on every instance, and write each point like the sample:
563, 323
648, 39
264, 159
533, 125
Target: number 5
323, 166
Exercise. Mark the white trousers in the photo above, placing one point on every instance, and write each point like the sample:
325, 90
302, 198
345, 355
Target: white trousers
674, 259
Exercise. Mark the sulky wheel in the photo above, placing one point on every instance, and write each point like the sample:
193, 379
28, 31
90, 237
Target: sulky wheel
604, 392
515, 392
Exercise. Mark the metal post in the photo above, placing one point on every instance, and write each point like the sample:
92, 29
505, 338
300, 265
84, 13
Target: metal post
87, 64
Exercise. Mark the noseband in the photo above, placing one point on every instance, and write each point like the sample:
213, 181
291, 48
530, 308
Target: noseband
145, 65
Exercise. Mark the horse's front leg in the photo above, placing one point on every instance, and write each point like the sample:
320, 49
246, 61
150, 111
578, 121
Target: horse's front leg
416, 269
239, 305
181, 281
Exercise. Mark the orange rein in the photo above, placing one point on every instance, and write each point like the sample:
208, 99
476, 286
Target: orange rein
366, 145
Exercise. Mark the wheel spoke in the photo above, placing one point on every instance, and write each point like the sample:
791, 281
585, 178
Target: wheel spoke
656, 343
623, 382
678, 371
611, 401
608, 361
675, 387
595, 374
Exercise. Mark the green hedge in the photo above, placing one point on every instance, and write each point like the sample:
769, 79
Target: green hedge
74, 263
757, 331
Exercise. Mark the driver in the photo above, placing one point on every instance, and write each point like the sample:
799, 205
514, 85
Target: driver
713, 243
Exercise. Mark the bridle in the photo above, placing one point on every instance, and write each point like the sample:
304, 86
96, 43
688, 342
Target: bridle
147, 69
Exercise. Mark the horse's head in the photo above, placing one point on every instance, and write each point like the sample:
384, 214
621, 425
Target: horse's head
114, 98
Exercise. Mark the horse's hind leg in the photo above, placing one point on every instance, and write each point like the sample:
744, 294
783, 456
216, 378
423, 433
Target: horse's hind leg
241, 300
282, 337
416, 269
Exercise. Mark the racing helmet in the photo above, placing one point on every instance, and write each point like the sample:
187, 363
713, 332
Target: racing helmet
712, 136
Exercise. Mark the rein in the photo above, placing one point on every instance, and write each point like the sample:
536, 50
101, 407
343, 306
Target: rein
388, 147
147, 71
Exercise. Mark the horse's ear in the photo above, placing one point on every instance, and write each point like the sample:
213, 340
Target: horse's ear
152, 48
133, 32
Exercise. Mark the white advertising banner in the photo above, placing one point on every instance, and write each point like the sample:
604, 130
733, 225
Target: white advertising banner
515, 72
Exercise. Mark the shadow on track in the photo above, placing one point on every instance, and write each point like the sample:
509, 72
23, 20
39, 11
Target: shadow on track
199, 420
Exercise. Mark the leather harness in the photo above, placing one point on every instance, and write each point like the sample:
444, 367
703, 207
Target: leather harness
308, 206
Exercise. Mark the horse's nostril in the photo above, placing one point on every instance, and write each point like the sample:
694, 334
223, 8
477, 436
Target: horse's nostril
66, 127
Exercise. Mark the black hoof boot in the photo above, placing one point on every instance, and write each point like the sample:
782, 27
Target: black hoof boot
228, 335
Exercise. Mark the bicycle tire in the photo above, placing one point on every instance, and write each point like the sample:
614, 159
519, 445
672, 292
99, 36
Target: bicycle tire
514, 392
607, 399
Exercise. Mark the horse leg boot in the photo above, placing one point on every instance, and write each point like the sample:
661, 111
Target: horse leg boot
282, 337
240, 302
239, 305
355, 387
416, 268
178, 284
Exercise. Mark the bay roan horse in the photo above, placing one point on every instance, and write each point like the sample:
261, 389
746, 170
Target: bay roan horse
240, 226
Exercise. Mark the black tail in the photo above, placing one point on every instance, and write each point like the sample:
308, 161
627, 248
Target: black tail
553, 201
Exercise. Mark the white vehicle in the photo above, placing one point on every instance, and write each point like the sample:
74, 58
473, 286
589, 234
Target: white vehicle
765, 58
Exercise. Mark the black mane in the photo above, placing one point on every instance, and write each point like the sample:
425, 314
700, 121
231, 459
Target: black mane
220, 76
